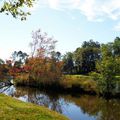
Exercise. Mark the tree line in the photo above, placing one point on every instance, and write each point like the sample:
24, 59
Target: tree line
46, 66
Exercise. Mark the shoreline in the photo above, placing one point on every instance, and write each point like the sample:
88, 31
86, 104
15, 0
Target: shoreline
12, 108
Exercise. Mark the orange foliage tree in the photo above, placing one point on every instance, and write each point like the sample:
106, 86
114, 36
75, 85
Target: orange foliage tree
43, 66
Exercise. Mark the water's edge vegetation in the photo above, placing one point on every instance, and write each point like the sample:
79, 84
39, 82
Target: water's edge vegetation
67, 83
77, 84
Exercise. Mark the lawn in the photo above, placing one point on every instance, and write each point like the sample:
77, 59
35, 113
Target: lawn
12, 109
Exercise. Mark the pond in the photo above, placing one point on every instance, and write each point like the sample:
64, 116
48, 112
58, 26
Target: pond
75, 107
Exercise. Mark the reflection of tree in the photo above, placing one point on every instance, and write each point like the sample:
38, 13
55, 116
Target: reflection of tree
8, 90
88, 104
51, 102
3, 89
110, 110
93, 106
41, 98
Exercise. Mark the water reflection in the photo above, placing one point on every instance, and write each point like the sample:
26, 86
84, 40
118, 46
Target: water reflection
82, 107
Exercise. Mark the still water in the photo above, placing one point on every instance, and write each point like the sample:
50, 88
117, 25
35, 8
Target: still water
80, 107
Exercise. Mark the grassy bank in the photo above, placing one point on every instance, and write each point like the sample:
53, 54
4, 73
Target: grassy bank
12, 109
67, 83
79, 82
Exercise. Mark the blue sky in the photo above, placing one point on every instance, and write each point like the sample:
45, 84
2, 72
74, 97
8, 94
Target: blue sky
70, 22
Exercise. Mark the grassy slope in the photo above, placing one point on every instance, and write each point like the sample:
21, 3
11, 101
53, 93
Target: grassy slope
86, 82
12, 109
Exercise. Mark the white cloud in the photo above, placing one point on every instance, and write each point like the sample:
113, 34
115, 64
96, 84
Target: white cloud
94, 10
54, 4
87, 8
112, 9
75, 3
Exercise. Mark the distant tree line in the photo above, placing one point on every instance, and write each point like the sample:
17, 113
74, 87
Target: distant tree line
83, 59
46, 66
101, 61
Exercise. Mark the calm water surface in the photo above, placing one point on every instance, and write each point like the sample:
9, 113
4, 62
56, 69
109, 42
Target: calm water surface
80, 107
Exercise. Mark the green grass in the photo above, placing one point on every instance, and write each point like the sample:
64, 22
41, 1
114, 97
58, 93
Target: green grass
82, 81
12, 109
87, 83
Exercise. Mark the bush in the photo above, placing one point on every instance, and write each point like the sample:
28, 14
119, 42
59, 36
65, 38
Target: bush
95, 76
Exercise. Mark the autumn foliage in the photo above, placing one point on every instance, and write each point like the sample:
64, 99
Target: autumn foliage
44, 65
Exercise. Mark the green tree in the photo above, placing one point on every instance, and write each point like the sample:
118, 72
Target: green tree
91, 44
17, 8
108, 68
56, 56
2, 62
86, 56
68, 63
116, 46
19, 58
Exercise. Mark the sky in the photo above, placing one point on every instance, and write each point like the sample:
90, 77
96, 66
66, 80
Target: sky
70, 22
